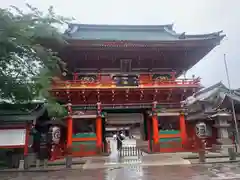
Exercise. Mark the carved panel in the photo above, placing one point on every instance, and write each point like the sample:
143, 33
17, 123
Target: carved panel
88, 78
161, 77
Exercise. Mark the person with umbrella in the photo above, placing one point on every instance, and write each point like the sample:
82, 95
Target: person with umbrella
120, 138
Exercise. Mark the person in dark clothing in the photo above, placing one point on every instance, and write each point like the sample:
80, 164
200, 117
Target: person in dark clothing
36, 140
120, 138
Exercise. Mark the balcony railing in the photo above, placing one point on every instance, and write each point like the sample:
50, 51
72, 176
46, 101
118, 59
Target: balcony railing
141, 84
124, 82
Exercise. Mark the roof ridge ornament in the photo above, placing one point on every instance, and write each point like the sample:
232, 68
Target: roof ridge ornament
169, 26
182, 36
170, 31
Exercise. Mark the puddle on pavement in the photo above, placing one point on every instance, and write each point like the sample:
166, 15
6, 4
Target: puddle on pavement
134, 172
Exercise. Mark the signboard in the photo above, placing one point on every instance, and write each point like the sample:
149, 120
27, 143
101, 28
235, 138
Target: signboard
126, 80
12, 137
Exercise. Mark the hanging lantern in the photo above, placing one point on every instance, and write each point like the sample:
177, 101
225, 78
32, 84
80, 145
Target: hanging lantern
99, 109
56, 134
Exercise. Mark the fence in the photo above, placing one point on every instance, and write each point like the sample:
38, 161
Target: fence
130, 150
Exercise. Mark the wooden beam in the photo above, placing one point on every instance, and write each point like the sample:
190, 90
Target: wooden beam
168, 114
84, 116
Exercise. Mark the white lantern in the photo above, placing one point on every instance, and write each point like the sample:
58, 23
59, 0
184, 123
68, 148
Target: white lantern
201, 130
56, 134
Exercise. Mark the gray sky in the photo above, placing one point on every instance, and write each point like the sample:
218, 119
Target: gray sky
191, 16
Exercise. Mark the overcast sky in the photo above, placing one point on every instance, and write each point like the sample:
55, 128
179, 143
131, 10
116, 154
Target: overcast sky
190, 16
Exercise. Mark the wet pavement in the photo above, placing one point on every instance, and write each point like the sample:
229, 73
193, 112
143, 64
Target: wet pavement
113, 168
136, 172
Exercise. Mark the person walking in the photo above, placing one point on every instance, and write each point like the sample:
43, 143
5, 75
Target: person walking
120, 138
115, 137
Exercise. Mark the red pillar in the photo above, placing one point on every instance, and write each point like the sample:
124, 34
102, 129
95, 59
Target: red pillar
69, 128
99, 131
69, 131
155, 127
99, 127
155, 132
183, 129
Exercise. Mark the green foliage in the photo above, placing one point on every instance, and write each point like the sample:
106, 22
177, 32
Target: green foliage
26, 61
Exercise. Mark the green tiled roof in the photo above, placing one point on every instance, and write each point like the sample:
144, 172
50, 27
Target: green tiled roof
21, 112
130, 33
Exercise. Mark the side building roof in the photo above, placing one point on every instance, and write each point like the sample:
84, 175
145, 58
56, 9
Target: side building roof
211, 100
22, 112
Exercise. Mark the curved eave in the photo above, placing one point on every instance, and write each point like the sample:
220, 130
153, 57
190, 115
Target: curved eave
204, 36
194, 42
117, 27
74, 32
77, 31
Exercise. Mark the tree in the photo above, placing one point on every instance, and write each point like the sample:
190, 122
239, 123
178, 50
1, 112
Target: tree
27, 62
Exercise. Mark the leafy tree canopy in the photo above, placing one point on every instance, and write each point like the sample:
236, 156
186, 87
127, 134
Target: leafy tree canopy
26, 64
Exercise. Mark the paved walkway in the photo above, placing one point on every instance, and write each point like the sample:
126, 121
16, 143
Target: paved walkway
135, 172
146, 167
114, 161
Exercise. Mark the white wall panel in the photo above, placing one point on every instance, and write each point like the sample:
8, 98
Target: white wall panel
12, 137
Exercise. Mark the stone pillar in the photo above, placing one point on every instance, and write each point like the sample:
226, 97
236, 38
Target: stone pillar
223, 136
200, 131
202, 152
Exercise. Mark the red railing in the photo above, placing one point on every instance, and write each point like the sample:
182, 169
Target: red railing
84, 150
111, 83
